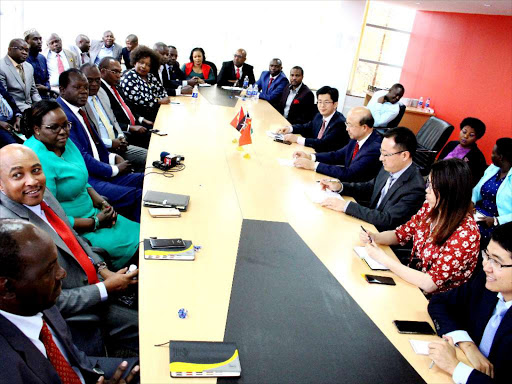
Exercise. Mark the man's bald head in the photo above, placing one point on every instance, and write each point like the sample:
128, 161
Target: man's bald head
16, 42
54, 43
240, 57
18, 50
364, 115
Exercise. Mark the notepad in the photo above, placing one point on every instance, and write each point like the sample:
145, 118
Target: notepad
185, 254
374, 265
420, 346
317, 195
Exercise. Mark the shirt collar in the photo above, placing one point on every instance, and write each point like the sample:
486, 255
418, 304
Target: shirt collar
508, 304
328, 118
297, 90
13, 62
396, 175
30, 326
362, 141
73, 108
54, 54
36, 209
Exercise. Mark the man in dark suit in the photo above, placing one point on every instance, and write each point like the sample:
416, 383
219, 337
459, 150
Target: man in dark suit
38, 62
272, 82
109, 174
356, 161
90, 287
10, 117
35, 343
397, 192
233, 72
326, 132
477, 317
297, 103
132, 42
169, 73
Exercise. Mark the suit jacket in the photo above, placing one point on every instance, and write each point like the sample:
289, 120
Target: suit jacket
105, 102
22, 362
400, 203
118, 110
98, 168
303, 107
469, 308
227, 72
125, 54
273, 93
78, 298
96, 48
72, 59
365, 165
24, 93
335, 135
475, 159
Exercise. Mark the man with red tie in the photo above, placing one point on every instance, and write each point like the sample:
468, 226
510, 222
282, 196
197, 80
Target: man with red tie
272, 82
58, 60
233, 72
356, 161
89, 286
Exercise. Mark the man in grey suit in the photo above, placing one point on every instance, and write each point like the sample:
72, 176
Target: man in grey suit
17, 76
23, 195
397, 192
104, 48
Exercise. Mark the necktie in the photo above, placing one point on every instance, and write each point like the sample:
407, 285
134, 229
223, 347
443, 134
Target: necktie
21, 72
356, 149
4, 107
238, 74
69, 238
492, 327
83, 55
91, 130
270, 82
322, 130
385, 189
60, 65
165, 74
59, 362
125, 107
104, 119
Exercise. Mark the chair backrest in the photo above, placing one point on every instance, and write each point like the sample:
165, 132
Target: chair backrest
432, 136
396, 121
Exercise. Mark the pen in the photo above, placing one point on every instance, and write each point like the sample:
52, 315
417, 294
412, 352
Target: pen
431, 364
330, 181
175, 102
369, 237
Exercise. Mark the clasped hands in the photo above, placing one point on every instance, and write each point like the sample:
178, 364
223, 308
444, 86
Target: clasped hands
287, 135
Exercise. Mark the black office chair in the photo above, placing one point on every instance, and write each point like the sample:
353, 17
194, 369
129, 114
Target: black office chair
214, 69
395, 122
432, 136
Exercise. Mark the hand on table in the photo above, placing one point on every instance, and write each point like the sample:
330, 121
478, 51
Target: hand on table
334, 204
139, 129
117, 378
443, 354
301, 155
476, 358
301, 162
147, 122
327, 184
376, 253
186, 90
366, 238
164, 100
291, 138
119, 281
284, 130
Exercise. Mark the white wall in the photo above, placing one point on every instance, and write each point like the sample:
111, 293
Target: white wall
320, 36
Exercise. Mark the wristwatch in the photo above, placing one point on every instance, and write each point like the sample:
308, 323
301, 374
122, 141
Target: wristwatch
100, 266
496, 222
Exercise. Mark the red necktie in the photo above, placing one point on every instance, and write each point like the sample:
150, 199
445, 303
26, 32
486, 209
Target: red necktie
270, 82
356, 149
60, 65
91, 130
69, 238
59, 362
322, 130
125, 107
238, 73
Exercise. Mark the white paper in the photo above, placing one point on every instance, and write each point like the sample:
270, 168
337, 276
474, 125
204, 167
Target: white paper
361, 252
479, 216
205, 85
420, 346
317, 195
227, 87
286, 162
274, 135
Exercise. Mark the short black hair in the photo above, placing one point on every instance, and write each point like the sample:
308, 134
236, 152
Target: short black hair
477, 124
197, 49
172, 46
502, 235
11, 265
367, 119
64, 76
326, 90
86, 66
160, 45
132, 38
504, 148
300, 69
33, 116
397, 85
105, 62
141, 52
404, 138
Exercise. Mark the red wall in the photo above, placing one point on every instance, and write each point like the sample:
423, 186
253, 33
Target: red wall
463, 62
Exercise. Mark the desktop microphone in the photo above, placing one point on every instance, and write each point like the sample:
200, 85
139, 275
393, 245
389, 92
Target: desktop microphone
168, 161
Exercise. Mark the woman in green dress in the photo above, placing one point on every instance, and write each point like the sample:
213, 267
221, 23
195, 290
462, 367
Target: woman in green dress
47, 129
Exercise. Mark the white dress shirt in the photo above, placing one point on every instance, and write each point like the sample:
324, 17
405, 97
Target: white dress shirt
53, 68
289, 100
382, 113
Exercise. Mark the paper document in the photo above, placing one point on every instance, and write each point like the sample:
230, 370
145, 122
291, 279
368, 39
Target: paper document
479, 216
228, 88
286, 162
274, 135
205, 85
375, 265
317, 195
420, 346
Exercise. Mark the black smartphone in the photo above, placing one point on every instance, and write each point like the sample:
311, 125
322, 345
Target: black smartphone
166, 243
414, 327
373, 279
283, 141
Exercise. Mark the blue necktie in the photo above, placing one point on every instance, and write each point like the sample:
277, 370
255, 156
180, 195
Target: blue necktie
492, 327
385, 189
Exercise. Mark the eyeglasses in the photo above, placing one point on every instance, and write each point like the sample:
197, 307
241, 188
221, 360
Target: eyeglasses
347, 124
239, 56
23, 49
114, 71
428, 184
325, 102
390, 154
496, 265
56, 128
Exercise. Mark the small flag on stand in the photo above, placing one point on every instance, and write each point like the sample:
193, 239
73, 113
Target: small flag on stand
245, 137
238, 120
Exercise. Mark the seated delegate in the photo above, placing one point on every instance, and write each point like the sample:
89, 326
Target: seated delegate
445, 236
297, 102
197, 69
384, 104
471, 130
48, 129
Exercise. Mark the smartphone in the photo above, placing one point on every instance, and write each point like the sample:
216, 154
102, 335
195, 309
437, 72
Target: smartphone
414, 327
166, 243
164, 212
283, 141
373, 279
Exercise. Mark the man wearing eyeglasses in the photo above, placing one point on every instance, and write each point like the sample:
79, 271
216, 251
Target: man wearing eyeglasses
477, 318
397, 192
233, 72
17, 76
326, 132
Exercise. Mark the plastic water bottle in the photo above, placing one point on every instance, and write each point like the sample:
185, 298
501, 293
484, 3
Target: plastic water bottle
195, 92
420, 103
250, 92
255, 92
246, 82
427, 103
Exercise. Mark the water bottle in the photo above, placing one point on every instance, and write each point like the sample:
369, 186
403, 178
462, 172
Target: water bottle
427, 103
250, 92
195, 92
420, 103
246, 82
255, 93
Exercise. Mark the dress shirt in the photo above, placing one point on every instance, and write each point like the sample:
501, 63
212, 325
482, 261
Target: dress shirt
302, 140
41, 76
289, 100
462, 371
111, 157
382, 113
21, 72
103, 130
112, 92
168, 69
53, 68
6, 113
31, 327
39, 212
104, 52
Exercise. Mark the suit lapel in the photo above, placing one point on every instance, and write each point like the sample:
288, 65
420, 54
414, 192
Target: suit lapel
15, 73
382, 177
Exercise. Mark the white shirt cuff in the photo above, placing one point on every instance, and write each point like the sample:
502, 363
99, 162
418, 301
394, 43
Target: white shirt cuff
301, 140
316, 165
115, 170
461, 373
112, 158
103, 291
107, 142
291, 129
184, 83
459, 336
141, 119
178, 91
345, 207
313, 157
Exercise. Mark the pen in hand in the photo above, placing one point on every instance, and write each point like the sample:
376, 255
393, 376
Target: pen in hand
369, 237
431, 365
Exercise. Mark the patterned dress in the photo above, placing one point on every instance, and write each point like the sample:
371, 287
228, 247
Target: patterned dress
487, 205
450, 264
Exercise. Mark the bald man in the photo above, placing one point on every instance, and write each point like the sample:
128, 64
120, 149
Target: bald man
58, 60
233, 72
17, 76
81, 49
356, 161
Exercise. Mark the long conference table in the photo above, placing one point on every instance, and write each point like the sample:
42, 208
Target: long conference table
230, 188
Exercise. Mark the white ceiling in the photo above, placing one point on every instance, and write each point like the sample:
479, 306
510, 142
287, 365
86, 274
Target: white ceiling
489, 7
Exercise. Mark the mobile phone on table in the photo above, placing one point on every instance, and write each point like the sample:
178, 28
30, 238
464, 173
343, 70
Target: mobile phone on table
414, 327
384, 280
283, 141
166, 243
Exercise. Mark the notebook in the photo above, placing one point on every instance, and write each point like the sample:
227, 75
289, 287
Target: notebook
165, 199
204, 359
188, 253
374, 265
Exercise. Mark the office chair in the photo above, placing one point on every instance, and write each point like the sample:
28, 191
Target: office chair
395, 122
431, 137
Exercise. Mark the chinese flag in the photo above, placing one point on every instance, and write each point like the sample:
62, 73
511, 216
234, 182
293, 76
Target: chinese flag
245, 138
238, 120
